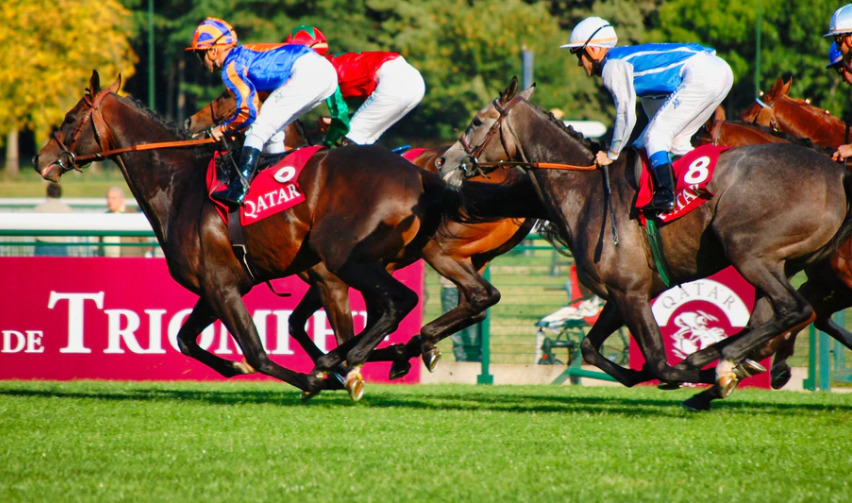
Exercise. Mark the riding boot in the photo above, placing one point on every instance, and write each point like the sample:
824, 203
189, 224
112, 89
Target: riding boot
236, 190
664, 196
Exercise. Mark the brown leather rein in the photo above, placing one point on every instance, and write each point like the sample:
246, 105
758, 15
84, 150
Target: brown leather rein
100, 127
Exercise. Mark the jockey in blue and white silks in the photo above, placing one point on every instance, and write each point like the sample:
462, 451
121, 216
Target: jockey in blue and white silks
679, 86
297, 78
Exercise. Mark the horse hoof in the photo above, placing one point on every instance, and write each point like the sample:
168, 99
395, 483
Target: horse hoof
399, 370
780, 376
355, 384
243, 367
748, 368
339, 374
727, 383
307, 395
431, 358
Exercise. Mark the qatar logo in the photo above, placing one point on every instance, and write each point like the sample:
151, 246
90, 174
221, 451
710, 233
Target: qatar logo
695, 315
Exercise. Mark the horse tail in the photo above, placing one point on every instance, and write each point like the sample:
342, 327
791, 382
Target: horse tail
515, 197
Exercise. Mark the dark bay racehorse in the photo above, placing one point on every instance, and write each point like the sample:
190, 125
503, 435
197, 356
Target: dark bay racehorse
364, 205
777, 208
467, 246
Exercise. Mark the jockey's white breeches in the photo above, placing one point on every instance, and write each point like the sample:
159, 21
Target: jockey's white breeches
706, 82
312, 80
399, 88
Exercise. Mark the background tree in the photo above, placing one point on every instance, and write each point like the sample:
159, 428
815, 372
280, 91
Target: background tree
49, 54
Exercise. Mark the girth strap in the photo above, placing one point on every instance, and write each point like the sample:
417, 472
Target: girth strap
657, 251
238, 243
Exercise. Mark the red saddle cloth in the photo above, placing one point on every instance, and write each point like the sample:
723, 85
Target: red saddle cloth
411, 154
693, 172
273, 189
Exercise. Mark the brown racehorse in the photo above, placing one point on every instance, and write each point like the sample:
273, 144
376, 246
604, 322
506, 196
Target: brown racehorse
364, 206
471, 246
768, 223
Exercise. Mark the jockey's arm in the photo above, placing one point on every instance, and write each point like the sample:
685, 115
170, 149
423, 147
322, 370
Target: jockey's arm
843, 152
617, 77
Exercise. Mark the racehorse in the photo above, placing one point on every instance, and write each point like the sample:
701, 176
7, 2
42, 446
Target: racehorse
364, 205
768, 223
470, 246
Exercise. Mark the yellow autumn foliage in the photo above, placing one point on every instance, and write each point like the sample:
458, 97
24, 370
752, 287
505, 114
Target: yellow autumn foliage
49, 49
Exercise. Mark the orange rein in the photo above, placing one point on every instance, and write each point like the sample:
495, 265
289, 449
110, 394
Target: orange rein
542, 165
144, 146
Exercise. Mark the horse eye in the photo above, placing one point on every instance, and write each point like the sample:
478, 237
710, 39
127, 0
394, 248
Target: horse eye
477, 121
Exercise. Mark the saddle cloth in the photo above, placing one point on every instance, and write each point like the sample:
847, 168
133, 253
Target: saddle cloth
273, 190
411, 154
693, 172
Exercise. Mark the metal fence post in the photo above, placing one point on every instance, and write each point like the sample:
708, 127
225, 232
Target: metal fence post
484, 328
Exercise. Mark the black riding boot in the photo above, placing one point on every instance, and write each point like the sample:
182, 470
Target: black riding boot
235, 193
664, 196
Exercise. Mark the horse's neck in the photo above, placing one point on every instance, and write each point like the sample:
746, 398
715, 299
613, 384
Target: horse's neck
162, 181
807, 121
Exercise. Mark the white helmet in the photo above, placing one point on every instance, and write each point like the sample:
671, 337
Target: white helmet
592, 31
841, 21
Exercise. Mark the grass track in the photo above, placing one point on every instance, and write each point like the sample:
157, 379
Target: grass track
237, 441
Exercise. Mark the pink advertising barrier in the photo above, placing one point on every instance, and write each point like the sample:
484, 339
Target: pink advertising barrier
696, 314
118, 318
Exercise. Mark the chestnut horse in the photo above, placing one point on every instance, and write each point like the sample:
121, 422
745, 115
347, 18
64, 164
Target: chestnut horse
470, 246
364, 206
768, 223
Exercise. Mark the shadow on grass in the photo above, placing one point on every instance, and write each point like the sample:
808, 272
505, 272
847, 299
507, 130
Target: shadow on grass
455, 398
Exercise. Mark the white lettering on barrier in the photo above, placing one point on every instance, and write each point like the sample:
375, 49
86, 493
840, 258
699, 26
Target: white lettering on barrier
75, 317
28, 342
123, 326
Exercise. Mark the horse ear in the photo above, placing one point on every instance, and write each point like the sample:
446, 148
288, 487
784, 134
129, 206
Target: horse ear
115, 86
94, 83
510, 91
526, 93
785, 89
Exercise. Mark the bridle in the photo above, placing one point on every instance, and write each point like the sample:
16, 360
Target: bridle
473, 153
765, 108
68, 160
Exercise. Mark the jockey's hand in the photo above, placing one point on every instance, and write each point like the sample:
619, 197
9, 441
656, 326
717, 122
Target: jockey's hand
216, 133
843, 152
602, 159
323, 123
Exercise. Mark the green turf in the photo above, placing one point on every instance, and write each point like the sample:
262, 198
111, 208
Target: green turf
237, 441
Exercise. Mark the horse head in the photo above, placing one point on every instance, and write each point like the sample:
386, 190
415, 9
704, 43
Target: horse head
760, 111
80, 136
461, 160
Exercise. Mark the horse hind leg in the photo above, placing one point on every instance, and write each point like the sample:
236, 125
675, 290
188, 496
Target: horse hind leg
393, 301
476, 295
200, 318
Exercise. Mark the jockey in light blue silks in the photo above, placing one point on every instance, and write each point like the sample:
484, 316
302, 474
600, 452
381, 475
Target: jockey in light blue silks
840, 29
297, 78
679, 86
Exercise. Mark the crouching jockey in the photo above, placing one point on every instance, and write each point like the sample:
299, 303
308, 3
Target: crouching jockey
679, 86
297, 78
386, 84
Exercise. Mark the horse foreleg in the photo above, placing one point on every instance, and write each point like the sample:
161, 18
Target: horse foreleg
199, 319
609, 320
239, 323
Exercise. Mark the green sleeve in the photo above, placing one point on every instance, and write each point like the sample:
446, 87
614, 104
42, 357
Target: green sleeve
339, 118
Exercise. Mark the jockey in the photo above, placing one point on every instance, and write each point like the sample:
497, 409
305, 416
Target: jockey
387, 84
297, 78
840, 28
679, 86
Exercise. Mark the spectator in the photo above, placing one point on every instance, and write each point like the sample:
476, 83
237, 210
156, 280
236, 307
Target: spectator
116, 204
47, 246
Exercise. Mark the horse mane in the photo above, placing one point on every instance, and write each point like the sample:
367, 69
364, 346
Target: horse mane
566, 128
171, 126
